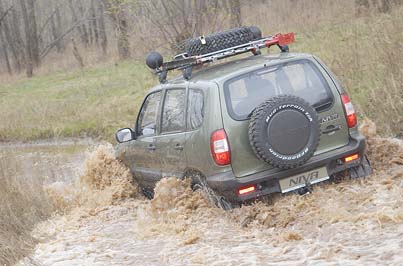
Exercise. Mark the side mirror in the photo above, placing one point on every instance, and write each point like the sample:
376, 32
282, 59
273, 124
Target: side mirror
124, 135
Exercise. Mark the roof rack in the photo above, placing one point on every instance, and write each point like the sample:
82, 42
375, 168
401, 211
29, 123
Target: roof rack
186, 63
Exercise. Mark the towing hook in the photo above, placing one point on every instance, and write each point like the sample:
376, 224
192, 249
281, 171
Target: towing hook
305, 190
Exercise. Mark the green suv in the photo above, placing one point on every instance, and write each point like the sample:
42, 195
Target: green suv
247, 127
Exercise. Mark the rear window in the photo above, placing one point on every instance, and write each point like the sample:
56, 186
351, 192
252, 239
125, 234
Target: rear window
300, 78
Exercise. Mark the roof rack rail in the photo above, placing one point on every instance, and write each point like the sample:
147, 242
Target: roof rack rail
186, 63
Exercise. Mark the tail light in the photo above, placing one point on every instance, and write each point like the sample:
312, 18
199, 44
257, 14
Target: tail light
351, 157
246, 190
351, 117
220, 148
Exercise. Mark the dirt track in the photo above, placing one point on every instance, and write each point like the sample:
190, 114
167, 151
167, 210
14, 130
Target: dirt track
108, 223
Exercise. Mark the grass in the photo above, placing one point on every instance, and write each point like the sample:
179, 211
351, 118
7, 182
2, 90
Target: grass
369, 64
364, 51
92, 102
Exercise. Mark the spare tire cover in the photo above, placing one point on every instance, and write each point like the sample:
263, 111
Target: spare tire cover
284, 131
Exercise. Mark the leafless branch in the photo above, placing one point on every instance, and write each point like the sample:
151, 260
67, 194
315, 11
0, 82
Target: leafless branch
6, 13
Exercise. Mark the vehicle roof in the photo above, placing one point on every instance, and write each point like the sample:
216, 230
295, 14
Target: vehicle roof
220, 71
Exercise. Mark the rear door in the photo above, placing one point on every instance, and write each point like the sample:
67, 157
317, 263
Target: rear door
171, 142
303, 78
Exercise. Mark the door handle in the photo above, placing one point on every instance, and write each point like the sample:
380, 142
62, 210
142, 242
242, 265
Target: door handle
178, 147
330, 129
151, 147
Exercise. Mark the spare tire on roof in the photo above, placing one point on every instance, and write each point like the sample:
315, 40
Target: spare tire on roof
284, 131
219, 41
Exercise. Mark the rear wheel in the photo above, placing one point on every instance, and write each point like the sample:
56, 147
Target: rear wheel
199, 183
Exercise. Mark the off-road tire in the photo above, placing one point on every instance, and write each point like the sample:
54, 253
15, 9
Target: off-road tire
199, 182
259, 127
219, 41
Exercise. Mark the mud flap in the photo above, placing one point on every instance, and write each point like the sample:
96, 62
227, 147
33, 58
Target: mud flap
362, 170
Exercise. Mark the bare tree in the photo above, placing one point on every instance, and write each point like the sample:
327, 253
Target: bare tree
116, 11
18, 41
83, 25
178, 20
77, 54
55, 27
76, 20
235, 9
3, 14
28, 48
5, 27
93, 23
101, 27
33, 36
5, 53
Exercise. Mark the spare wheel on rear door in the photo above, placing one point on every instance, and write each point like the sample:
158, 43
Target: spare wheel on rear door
284, 131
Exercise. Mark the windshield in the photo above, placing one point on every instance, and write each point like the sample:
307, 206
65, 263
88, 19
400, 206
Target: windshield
301, 78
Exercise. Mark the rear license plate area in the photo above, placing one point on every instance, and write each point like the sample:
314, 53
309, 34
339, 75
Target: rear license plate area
301, 180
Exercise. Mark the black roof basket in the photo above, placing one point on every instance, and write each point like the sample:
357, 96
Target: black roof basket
213, 45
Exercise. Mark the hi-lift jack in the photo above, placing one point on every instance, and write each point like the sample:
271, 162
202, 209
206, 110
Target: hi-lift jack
186, 63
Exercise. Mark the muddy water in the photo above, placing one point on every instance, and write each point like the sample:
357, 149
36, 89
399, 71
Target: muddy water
354, 222
50, 161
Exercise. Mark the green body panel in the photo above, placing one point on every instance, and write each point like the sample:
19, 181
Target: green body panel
171, 158
196, 154
144, 164
197, 150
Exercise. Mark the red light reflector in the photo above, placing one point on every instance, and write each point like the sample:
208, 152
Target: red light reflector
351, 158
245, 190
220, 148
351, 117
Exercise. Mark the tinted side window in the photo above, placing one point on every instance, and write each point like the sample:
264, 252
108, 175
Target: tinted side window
147, 122
173, 113
195, 109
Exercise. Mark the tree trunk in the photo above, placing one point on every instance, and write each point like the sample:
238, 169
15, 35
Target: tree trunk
93, 22
102, 31
77, 54
83, 25
59, 26
55, 24
5, 53
386, 6
17, 37
123, 37
201, 11
29, 59
236, 18
9, 38
117, 14
75, 19
34, 40
55, 33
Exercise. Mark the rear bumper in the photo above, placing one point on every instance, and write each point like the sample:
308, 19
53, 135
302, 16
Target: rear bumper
267, 182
